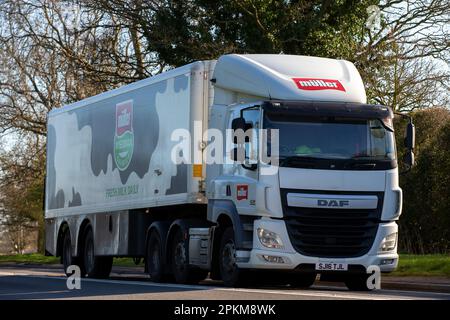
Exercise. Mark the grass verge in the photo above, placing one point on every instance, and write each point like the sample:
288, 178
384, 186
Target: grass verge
32, 258
37, 258
423, 265
409, 265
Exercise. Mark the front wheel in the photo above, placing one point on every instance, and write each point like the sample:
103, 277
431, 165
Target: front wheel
358, 282
303, 281
231, 274
95, 266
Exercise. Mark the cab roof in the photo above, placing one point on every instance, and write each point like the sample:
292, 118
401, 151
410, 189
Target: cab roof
290, 77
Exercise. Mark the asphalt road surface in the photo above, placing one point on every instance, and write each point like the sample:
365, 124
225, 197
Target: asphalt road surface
24, 282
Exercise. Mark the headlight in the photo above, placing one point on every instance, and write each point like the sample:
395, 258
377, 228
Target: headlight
269, 239
389, 242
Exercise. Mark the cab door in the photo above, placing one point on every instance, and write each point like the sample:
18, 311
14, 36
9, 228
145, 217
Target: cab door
242, 175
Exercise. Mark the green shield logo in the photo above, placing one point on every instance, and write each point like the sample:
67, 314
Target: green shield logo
124, 137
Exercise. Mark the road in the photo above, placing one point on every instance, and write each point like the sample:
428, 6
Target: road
25, 282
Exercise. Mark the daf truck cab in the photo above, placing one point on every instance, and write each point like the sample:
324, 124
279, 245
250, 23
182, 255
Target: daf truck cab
310, 188
332, 204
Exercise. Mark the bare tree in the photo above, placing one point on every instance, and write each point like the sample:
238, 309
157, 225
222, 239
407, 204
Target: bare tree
51, 53
404, 60
54, 52
409, 84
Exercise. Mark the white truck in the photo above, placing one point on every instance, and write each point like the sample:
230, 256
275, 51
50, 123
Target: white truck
328, 205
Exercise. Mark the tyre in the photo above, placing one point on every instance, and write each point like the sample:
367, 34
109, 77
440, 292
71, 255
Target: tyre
357, 282
155, 258
182, 272
94, 266
66, 256
304, 280
231, 274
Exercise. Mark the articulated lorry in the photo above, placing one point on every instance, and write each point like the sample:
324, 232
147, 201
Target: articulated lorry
129, 174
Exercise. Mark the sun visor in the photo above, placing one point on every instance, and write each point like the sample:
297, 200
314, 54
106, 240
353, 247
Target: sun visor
289, 77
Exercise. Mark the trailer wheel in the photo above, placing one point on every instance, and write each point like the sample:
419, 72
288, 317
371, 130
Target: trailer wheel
182, 272
304, 281
95, 266
230, 272
155, 258
357, 282
66, 255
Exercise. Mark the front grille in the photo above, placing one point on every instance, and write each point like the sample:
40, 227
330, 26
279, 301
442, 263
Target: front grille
331, 233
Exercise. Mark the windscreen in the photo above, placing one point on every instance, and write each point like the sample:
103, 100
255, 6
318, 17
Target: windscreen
332, 138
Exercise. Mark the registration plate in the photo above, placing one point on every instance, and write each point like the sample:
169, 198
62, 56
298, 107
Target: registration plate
331, 266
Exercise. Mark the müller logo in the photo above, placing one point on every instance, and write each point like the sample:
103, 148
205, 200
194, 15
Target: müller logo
318, 84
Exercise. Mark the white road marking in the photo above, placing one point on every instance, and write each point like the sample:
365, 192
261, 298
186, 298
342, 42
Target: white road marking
340, 295
31, 293
408, 292
418, 283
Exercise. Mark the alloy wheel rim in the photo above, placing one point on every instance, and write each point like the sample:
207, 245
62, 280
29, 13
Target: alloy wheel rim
180, 256
67, 255
89, 256
229, 257
155, 257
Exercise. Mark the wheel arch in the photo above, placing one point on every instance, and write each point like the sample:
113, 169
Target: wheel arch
224, 213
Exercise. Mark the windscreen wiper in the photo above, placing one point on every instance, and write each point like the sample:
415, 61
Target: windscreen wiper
361, 156
357, 164
367, 166
308, 162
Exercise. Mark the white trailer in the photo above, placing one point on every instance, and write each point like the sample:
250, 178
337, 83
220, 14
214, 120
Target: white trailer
329, 207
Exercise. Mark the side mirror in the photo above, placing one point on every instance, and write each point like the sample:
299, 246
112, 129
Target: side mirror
410, 141
238, 123
410, 138
408, 159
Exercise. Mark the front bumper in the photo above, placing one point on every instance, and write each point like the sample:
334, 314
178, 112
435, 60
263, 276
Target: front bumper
255, 259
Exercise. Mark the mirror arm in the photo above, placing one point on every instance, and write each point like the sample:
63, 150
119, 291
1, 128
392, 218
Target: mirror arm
251, 167
404, 116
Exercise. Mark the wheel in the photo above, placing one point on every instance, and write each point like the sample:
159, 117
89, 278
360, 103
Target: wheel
357, 282
66, 256
231, 274
67, 259
182, 272
154, 258
303, 280
95, 266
